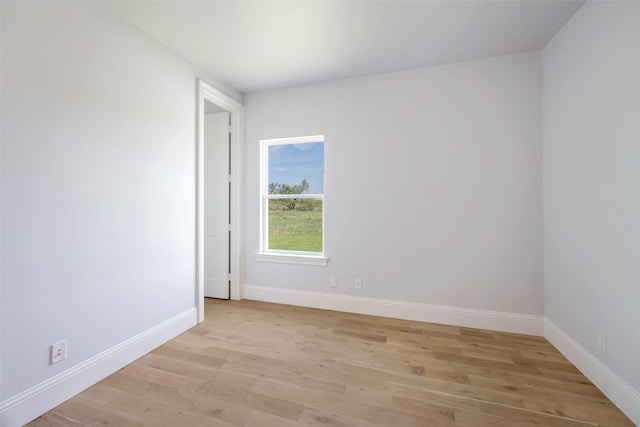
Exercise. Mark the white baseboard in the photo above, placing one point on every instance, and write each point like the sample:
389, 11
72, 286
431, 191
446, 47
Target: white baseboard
456, 316
30, 404
625, 397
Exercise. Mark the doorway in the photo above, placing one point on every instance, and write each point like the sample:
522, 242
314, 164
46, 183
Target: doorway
217, 218
219, 213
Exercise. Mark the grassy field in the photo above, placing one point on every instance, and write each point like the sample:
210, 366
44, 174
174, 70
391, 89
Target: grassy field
295, 230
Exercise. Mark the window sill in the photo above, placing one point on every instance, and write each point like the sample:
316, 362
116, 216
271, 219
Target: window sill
318, 261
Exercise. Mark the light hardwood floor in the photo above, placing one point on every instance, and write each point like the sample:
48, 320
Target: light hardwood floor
260, 364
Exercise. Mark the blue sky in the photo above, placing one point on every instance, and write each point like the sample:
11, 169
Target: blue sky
291, 163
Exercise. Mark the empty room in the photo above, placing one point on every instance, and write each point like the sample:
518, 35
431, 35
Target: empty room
320, 213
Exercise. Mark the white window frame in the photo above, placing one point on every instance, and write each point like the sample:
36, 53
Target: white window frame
279, 255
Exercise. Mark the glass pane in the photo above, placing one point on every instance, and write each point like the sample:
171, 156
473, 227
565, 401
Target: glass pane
296, 168
295, 224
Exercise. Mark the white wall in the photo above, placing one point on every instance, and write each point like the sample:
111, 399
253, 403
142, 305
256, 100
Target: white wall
433, 183
98, 186
592, 184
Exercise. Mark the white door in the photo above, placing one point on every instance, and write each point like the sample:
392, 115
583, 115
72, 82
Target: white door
216, 205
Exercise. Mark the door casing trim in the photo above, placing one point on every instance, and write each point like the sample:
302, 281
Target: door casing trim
236, 243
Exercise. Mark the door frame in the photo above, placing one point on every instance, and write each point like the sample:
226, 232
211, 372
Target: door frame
236, 151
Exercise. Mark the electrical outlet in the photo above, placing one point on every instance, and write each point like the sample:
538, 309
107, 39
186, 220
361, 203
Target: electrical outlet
358, 284
57, 352
602, 340
333, 281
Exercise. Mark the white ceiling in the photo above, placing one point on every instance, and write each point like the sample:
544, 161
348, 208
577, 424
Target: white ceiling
259, 45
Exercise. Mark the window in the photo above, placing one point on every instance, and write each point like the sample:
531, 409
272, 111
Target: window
292, 200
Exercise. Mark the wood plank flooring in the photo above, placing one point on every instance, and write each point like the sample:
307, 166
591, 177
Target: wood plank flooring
259, 364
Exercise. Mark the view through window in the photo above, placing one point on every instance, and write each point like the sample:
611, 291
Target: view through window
293, 195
